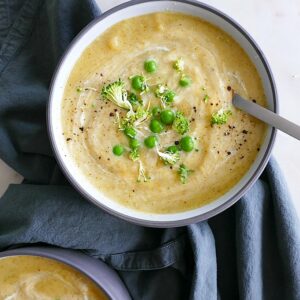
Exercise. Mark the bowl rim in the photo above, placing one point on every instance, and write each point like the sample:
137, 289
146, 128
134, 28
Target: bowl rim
187, 221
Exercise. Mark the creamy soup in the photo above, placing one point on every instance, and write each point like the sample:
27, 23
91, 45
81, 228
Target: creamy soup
31, 277
184, 68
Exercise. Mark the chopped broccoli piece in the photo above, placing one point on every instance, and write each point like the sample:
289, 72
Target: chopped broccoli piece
134, 154
142, 174
164, 94
168, 157
179, 64
181, 123
184, 173
220, 117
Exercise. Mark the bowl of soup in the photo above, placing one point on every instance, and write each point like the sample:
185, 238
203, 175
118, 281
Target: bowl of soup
141, 118
52, 273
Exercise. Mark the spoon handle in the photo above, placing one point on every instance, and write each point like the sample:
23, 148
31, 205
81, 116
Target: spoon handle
267, 116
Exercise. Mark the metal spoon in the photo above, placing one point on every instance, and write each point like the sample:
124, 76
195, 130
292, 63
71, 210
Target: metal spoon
266, 116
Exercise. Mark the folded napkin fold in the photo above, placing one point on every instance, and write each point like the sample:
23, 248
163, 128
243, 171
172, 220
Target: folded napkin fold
251, 251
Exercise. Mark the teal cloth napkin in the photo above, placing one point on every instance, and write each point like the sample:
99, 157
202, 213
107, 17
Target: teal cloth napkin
251, 251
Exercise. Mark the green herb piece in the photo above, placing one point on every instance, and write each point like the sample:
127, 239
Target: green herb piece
150, 66
139, 83
118, 150
203, 88
168, 157
155, 111
184, 173
220, 117
167, 116
178, 65
187, 144
79, 89
206, 98
116, 93
156, 126
172, 149
166, 95
151, 141
181, 123
185, 81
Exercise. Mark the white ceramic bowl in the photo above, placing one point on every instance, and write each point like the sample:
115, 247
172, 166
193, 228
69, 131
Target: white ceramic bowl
86, 37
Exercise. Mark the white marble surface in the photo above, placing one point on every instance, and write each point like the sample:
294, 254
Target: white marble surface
275, 25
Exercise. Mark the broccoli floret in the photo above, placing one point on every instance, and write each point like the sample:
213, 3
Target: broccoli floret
116, 93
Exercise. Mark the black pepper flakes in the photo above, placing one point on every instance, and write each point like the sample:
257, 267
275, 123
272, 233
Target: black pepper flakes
258, 149
229, 88
176, 143
228, 153
81, 129
253, 100
245, 131
69, 139
111, 114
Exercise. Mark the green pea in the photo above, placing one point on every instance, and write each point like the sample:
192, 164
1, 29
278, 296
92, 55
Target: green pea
187, 143
130, 132
150, 65
134, 143
150, 141
185, 81
118, 150
167, 116
155, 111
138, 83
172, 149
169, 96
156, 126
